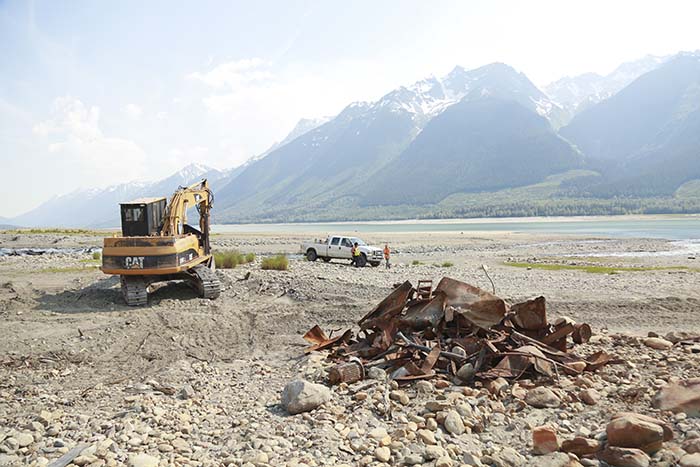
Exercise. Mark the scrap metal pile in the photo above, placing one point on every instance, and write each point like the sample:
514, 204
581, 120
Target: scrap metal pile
456, 330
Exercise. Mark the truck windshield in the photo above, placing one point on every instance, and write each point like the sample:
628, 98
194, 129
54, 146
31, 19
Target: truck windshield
358, 241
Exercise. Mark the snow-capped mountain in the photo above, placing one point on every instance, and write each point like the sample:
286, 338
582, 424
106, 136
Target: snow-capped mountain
431, 96
580, 92
335, 162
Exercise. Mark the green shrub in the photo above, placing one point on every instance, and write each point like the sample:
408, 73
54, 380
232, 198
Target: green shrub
447, 264
231, 259
96, 255
278, 263
415, 262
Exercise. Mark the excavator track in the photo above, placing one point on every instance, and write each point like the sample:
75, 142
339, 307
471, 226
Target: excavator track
205, 281
134, 290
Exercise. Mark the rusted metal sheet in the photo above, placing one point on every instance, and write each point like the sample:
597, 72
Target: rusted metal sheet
478, 306
315, 335
597, 360
531, 314
344, 337
424, 314
388, 308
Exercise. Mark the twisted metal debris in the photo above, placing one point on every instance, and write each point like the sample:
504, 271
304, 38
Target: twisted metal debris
456, 331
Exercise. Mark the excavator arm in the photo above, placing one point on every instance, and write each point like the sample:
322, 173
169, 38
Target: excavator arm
175, 219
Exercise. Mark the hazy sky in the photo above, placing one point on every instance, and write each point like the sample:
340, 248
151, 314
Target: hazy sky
94, 93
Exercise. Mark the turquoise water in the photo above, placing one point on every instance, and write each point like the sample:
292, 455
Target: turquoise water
671, 227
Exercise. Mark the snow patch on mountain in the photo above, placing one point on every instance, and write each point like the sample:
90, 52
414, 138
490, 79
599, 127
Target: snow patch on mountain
579, 92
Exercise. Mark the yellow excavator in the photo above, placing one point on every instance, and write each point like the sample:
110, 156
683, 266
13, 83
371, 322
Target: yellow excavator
157, 244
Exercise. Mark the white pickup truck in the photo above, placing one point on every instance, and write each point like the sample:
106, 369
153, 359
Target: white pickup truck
340, 247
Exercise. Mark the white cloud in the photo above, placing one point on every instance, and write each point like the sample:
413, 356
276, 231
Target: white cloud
234, 74
73, 134
133, 111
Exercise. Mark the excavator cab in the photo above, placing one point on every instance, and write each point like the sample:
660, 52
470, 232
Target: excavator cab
142, 217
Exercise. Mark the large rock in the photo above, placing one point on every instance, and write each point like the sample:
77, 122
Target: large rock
382, 454
658, 343
555, 459
544, 440
682, 396
581, 446
632, 432
668, 429
453, 423
541, 397
590, 396
507, 457
624, 457
24, 439
302, 396
143, 460
691, 446
690, 460
466, 372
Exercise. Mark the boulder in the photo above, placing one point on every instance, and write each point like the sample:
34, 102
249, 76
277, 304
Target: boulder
690, 460
691, 446
453, 423
555, 459
624, 457
466, 372
24, 439
302, 396
497, 386
581, 446
632, 432
668, 429
143, 460
658, 343
541, 397
382, 454
507, 457
682, 396
590, 396
544, 440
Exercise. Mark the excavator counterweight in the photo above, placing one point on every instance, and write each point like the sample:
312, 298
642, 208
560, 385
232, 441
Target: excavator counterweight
158, 245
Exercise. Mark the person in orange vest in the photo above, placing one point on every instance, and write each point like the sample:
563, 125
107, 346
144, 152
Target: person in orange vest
387, 254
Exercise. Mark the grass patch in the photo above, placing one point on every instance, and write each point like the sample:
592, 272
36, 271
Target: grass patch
231, 259
96, 255
277, 262
598, 269
447, 264
415, 262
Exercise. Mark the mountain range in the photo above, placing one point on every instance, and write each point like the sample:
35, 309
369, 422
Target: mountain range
473, 142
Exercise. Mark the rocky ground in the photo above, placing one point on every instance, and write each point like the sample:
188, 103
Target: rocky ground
188, 381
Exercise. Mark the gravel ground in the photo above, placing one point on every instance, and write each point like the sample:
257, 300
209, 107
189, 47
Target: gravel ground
187, 381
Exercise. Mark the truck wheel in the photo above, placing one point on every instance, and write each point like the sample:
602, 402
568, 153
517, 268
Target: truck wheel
311, 255
326, 259
362, 261
375, 264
